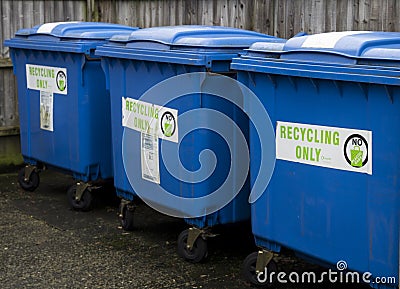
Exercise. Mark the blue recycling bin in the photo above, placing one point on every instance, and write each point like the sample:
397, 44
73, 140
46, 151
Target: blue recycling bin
334, 197
64, 107
142, 72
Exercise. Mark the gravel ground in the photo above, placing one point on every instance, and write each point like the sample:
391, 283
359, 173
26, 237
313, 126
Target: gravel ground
44, 244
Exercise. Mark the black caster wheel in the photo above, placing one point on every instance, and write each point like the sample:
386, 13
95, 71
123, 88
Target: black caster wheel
32, 183
84, 204
197, 253
127, 219
249, 272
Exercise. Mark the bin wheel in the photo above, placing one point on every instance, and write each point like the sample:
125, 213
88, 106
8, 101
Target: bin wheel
31, 184
249, 271
127, 219
84, 204
197, 253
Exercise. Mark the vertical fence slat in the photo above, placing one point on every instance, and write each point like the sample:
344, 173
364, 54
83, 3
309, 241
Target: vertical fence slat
331, 14
290, 19
5, 97
10, 105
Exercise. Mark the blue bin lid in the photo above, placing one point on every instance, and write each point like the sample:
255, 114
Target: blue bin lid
66, 36
350, 45
76, 30
265, 49
339, 47
191, 36
186, 44
362, 56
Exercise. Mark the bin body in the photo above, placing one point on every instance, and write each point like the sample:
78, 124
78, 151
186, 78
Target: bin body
334, 193
63, 103
136, 64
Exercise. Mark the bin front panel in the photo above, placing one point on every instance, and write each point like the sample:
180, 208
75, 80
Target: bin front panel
326, 213
321, 211
64, 106
135, 63
126, 80
80, 140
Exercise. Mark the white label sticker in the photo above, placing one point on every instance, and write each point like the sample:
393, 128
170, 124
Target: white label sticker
324, 146
46, 110
150, 158
46, 78
48, 27
150, 118
327, 40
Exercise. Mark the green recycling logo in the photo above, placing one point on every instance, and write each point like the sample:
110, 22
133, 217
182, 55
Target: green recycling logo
356, 150
168, 124
61, 80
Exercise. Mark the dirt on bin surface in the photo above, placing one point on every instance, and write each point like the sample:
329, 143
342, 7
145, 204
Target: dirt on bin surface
45, 244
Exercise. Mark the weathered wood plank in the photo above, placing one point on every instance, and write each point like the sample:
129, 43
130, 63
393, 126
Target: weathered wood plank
10, 105
8, 101
331, 13
4, 99
123, 13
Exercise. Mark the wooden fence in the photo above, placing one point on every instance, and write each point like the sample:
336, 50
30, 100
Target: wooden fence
282, 18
